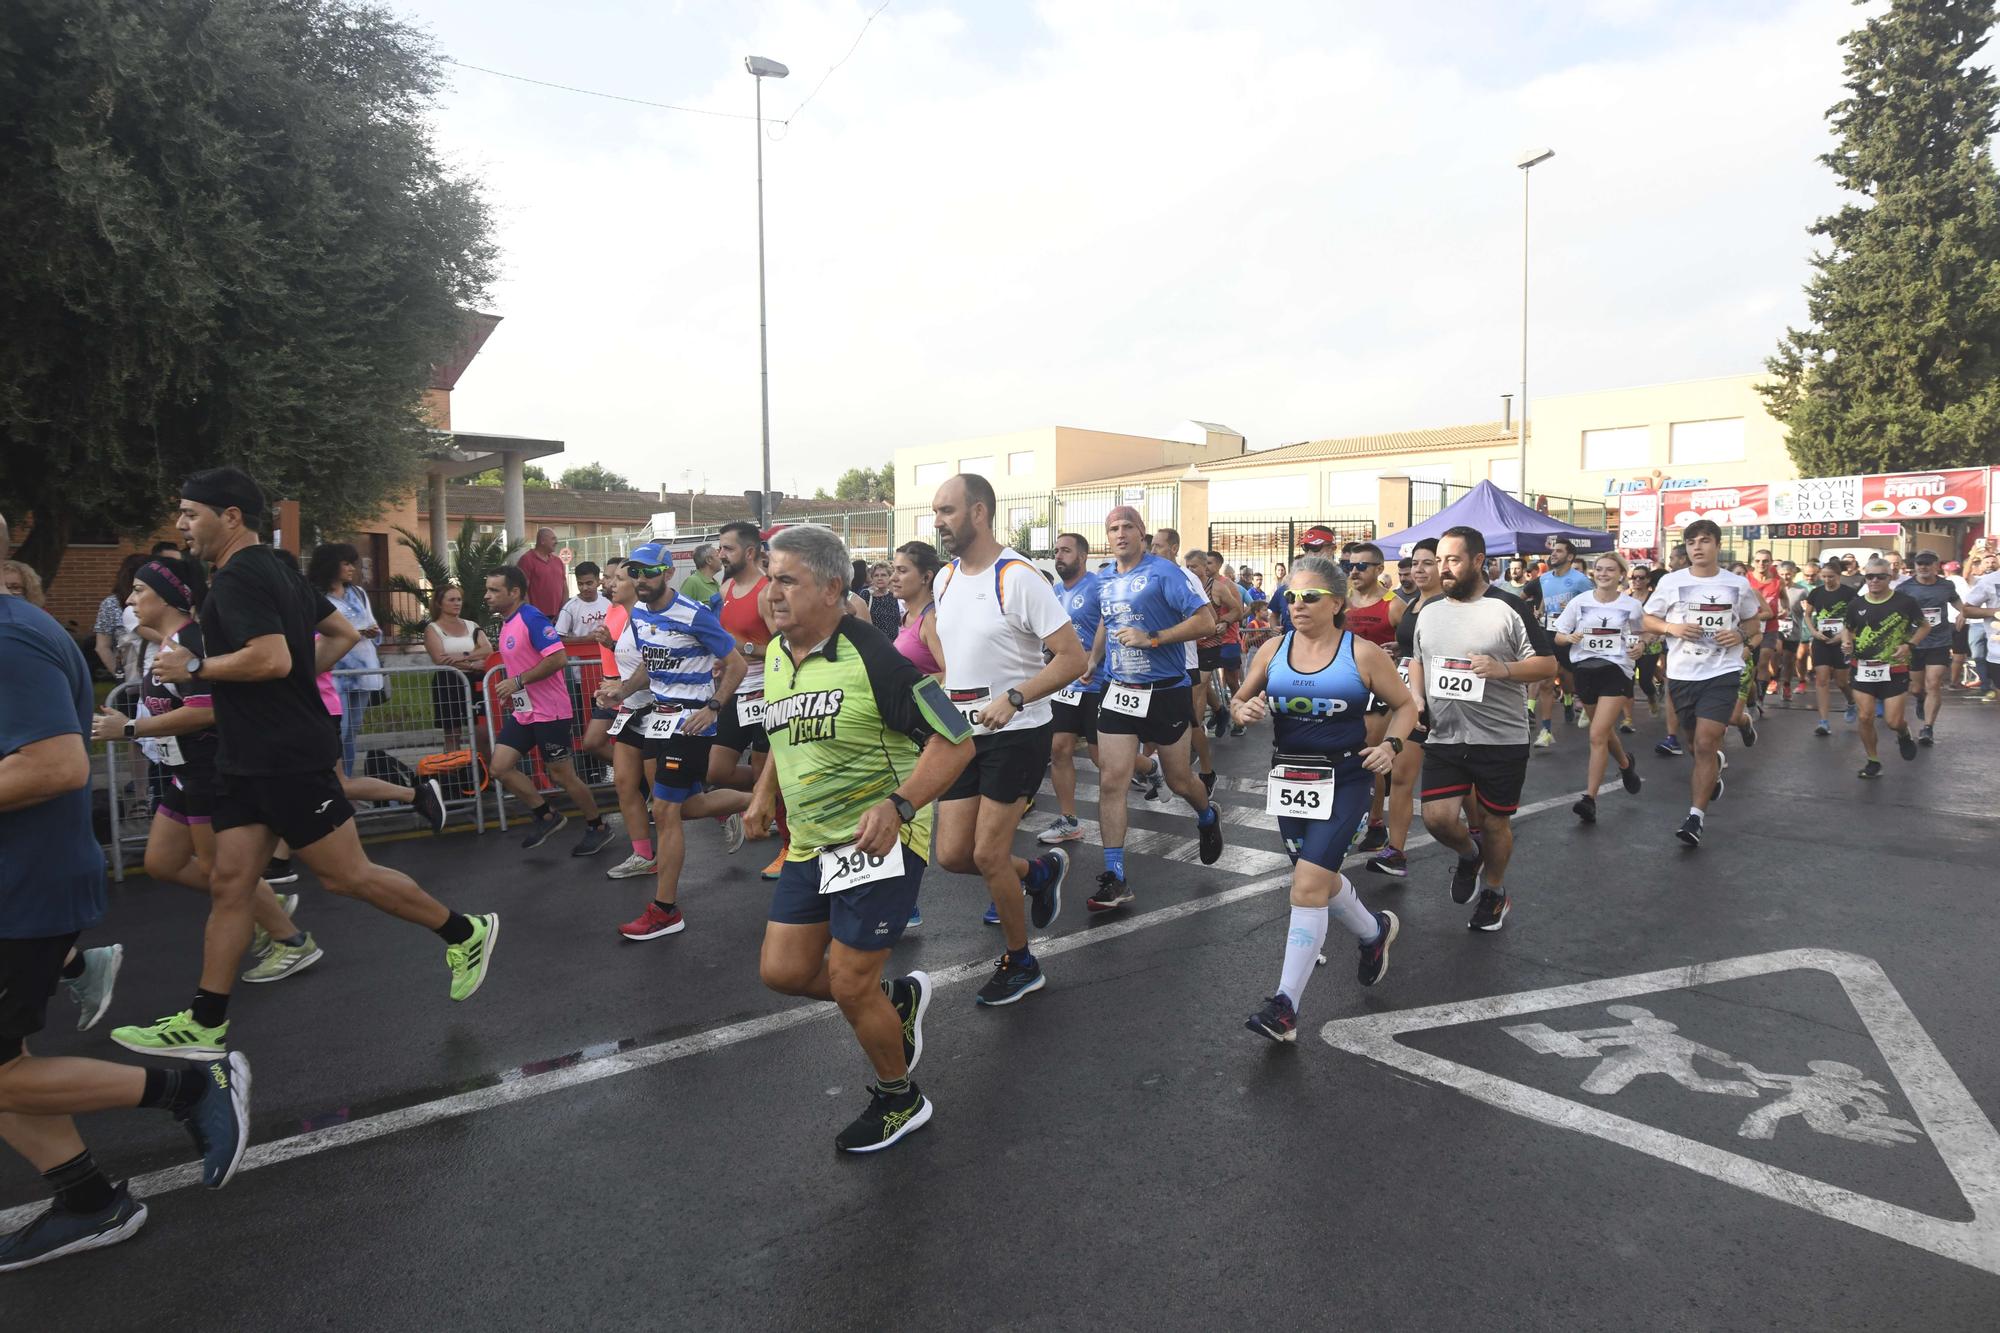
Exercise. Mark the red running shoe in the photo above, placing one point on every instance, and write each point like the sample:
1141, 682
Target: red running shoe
654, 922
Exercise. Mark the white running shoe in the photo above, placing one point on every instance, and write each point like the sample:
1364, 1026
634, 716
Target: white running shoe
632, 867
1064, 828
732, 834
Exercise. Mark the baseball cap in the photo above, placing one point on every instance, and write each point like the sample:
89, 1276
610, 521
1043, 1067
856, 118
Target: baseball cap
652, 553
1317, 539
1927, 557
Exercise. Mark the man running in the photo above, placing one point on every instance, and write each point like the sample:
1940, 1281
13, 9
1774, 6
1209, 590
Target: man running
1709, 616
1372, 614
862, 744
1769, 586
1166, 544
1561, 584
1075, 706
1213, 687
996, 615
1882, 625
1409, 760
1930, 656
275, 760
535, 695
1826, 608
743, 605
1150, 611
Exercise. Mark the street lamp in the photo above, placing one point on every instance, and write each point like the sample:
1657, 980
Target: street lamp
1528, 161
760, 70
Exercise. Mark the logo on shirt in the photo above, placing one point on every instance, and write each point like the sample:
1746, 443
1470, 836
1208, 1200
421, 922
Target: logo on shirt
1299, 705
807, 716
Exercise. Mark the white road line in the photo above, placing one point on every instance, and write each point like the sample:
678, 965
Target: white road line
593, 1069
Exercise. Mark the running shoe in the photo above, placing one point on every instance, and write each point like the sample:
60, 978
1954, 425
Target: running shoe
1545, 738
1154, 782
1690, 830
1585, 809
92, 991
1375, 839
777, 866
1011, 980
1582, 720
1991, 696
429, 804
1211, 838
1490, 911
888, 1118
1629, 776
260, 938
278, 870
1140, 775
543, 827
1214, 725
654, 922
1924, 737
58, 1231
1569, 710
1276, 1020
1748, 731
1669, 746
1722, 758
911, 996
177, 1035
1208, 783
1823, 729
1045, 902
1375, 953
732, 834
1111, 893
219, 1123
281, 960
1627, 729
1871, 769
1716, 795
1788, 696
1064, 828
1236, 728
594, 840
1852, 715
1465, 877
469, 961
633, 867
992, 915
1390, 862
1906, 745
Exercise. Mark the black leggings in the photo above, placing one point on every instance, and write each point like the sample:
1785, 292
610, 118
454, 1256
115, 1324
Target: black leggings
1649, 675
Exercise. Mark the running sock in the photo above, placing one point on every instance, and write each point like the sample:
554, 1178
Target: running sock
173, 1089
668, 908
1353, 913
457, 929
295, 941
210, 1009
1695, 810
893, 1087
539, 812
1040, 871
1021, 957
1114, 861
80, 1186
596, 823
1206, 817
642, 848
74, 967
1302, 945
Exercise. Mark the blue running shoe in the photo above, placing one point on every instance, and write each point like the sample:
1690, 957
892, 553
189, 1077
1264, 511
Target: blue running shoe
1011, 980
59, 1231
916, 919
1669, 746
1852, 715
992, 917
219, 1123
1045, 900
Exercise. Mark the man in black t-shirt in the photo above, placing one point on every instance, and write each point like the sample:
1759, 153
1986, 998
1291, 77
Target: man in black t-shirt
275, 758
1882, 624
1826, 612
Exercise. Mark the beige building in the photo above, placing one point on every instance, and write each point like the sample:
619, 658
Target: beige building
1712, 432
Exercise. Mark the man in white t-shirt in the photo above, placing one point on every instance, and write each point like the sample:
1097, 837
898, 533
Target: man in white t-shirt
583, 615
1709, 616
998, 620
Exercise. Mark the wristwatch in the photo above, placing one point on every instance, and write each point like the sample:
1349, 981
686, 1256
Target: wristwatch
194, 666
716, 706
1395, 743
131, 728
1016, 698
904, 810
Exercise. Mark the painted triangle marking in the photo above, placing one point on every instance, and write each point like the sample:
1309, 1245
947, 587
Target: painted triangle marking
1955, 1125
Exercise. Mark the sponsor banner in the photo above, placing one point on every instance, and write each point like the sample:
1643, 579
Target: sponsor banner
1904, 496
1899, 497
1728, 506
1639, 521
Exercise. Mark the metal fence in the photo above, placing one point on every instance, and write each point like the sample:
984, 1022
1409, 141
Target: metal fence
1264, 543
585, 674
1030, 521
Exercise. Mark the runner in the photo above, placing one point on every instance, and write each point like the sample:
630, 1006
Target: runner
274, 760
535, 695
1553, 591
1984, 596
1827, 607
690, 665
1372, 615
1166, 544
1651, 674
915, 568
862, 744
1882, 625
744, 607
1315, 684
1793, 632
1226, 600
1410, 759
1930, 657
996, 615
1769, 586
622, 715
1150, 610
580, 619
1708, 615
1075, 707
1602, 632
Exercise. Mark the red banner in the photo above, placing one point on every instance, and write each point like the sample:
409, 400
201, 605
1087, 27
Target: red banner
1906, 496
1902, 497
1726, 506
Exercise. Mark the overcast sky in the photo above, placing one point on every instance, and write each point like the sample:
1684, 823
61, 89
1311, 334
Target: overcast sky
1300, 219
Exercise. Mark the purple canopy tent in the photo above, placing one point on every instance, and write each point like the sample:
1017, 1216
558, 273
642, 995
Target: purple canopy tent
1511, 527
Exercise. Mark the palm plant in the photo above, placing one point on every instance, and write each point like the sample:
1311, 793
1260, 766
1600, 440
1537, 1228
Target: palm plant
476, 558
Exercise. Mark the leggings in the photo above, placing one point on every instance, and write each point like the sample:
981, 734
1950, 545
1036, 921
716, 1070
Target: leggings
1649, 674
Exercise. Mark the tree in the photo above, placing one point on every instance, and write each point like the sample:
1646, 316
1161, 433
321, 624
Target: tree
592, 477
1899, 369
533, 478
225, 237
860, 483
477, 557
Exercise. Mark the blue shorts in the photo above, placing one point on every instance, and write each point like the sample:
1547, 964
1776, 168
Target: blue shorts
1232, 655
1326, 842
553, 739
867, 918
680, 770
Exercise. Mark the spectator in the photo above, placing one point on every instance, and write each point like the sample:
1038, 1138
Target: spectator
454, 641
701, 585
332, 571
548, 580
18, 580
109, 635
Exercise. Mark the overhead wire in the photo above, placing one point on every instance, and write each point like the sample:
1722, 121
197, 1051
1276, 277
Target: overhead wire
610, 97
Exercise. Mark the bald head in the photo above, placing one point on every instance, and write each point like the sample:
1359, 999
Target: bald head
545, 540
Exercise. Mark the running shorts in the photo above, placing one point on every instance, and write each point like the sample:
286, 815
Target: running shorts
1079, 718
1961, 639
1208, 659
1006, 766
1921, 658
1232, 656
1830, 655
553, 739
29, 971
733, 733
1710, 700
1601, 680
1898, 684
680, 767
1326, 842
187, 794
867, 917
301, 808
1167, 718
1492, 772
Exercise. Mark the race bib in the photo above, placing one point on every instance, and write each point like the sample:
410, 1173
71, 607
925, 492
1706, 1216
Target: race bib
970, 701
1550, 619
1832, 625
1785, 628
1871, 673
661, 724
1131, 700
168, 750
1933, 615
1453, 678
1711, 617
618, 723
1605, 643
1303, 791
750, 709
520, 704
1073, 696
1403, 670
848, 867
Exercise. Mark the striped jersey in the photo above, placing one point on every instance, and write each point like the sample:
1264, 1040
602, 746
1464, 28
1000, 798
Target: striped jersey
681, 642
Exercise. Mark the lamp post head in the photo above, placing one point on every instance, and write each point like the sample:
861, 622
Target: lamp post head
764, 69
1534, 157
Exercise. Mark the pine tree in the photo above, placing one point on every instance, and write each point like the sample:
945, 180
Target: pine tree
1899, 369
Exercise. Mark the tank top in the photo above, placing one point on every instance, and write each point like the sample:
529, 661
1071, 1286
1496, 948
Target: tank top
1318, 712
1372, 623
1406, 632
885, 613
1229, 632
744, 623
615, 621
457, 645
910, 643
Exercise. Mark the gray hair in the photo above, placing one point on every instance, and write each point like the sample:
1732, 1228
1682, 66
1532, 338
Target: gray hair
820, 549
703, 554
1875, 560
1327, 572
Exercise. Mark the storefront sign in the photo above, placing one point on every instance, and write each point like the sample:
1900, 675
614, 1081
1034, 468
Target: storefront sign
1639, 521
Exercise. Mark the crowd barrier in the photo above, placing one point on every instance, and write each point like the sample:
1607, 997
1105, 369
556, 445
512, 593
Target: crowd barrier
585, 672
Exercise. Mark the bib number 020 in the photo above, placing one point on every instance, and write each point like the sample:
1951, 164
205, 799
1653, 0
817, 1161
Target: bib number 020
1453, 678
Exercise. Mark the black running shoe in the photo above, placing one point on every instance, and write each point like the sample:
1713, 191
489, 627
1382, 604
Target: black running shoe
1716, 795
1585, 809
1045, 903
1111, 892
1211, 838
430, 804
911, 996
542, 828
1748, 731
278, 870
1208, 783
1276, 1020
1390, 862
1465, 878
593, 841
1906, 746
1490, 911
1924, 737
1690, 830
1011, 980
1375, 953
1871, 769
58, 1231
1236, 728
1629, 776
1375, 839
887, 1119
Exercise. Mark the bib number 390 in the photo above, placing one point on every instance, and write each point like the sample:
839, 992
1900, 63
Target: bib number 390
848, 867
1453, 678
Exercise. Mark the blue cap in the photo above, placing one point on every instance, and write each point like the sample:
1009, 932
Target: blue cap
652, 553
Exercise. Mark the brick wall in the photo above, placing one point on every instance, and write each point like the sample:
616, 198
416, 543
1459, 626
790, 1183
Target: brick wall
87, 576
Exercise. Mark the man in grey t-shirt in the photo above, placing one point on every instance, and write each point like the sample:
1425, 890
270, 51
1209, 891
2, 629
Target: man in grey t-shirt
1475, 657
1930, 656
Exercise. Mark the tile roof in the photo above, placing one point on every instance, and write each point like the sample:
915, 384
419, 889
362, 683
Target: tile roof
635, 507
1484, 434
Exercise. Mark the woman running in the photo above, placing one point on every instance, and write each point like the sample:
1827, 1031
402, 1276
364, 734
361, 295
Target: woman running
917, 564
1410, 762
1601, 629
1314, 684
625, 724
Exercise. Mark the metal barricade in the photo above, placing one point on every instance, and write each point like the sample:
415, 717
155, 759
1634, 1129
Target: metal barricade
585, 670
128, 789
422, 710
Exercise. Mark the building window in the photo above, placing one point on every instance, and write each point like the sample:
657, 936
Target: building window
1021, 464
1018, 516
1240, 494
1718, 441
986, 465
931, 475
1505, 473
1622, 447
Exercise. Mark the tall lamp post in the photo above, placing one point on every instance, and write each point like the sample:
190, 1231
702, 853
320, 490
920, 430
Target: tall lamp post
760, 70
1528, 161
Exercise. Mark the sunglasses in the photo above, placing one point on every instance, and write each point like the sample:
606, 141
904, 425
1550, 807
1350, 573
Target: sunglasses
1351, 565
1311, 596
647, 571
1873, 578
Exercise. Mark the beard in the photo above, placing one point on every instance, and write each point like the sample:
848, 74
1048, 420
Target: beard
1460, 588
948, 539
1067, 572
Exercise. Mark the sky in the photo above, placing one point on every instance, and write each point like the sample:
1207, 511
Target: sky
1298, 219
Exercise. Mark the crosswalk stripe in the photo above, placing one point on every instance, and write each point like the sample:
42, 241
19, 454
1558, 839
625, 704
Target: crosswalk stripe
1246, 816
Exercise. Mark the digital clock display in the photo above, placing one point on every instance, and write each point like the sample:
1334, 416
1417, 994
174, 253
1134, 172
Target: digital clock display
1841, 528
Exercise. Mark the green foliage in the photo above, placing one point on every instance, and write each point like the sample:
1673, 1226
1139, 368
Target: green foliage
533, 478
225, 237
592, 477
477, 556
860, 483
1899, 369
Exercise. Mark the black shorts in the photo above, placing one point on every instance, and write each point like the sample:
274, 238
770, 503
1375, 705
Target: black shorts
29, 971
1921, 658
553, 739
1006, 767
1830, 655
1596, 679
633, 733
1897, 685
1563, 662
1207, 659
1710, 700
187, 794
867, 917
733, 733
1167, 719
1079, 718
598, 714
301, 808
1492, 772
680, 766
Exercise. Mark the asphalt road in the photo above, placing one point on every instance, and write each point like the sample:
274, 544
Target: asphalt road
615, 1136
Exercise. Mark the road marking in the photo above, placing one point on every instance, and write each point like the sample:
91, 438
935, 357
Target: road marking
521, 1085
1962, 1134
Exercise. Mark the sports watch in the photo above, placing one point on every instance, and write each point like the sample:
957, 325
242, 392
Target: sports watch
904, 810
1016, 698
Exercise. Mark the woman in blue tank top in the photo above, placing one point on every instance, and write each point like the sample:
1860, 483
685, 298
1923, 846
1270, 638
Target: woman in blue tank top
1314, 684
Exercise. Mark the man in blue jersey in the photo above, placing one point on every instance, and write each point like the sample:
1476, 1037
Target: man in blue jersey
1562, 583
691, 665
1151, 609
1076, 706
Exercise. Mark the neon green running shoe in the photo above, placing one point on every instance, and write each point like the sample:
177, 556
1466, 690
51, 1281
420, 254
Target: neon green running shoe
281, 960
469, 960
177, 1035
260, 938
